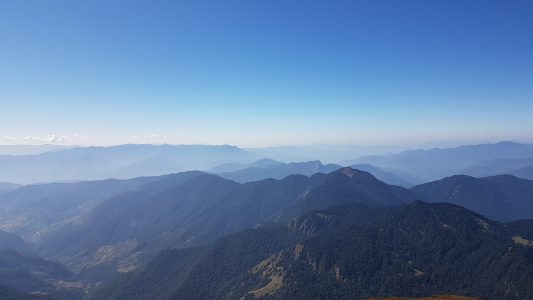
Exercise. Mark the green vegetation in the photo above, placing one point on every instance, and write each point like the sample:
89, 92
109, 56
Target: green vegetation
346, 252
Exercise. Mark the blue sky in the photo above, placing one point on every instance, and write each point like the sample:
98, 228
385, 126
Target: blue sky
261, 73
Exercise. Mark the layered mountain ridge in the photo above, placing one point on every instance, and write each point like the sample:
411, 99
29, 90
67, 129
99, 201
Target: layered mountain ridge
110, 230
197, 208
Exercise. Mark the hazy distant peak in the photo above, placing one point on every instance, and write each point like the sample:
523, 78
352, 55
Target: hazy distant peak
509, 143
437, 163
459, 177
504, 177
265, 162
6, 186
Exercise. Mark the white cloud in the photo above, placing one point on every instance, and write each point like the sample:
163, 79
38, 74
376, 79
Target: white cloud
79, 136
7, 139
49, 138
157, 136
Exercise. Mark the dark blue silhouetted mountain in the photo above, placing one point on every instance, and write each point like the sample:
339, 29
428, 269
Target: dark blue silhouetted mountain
502, 197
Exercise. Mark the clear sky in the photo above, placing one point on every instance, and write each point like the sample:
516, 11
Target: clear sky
269, 72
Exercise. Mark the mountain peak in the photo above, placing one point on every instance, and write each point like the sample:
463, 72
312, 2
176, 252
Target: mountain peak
500, 197
348, 172
458, 178
502, 177
356, 174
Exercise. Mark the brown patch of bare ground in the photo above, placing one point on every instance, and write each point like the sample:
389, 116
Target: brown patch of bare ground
440, 297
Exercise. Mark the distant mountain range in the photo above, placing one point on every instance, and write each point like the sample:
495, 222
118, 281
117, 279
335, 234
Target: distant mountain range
125, 161
348, 252
434, 164
31, 149
234, 167
263, 228
268, 168
325, 153
520, 167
